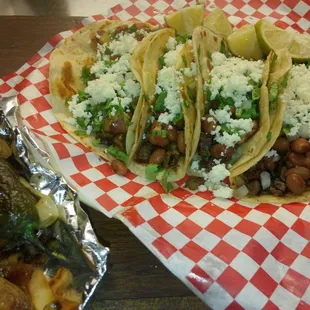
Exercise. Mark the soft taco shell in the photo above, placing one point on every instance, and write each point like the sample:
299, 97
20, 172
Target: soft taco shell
149, 76
281, 67
66, 64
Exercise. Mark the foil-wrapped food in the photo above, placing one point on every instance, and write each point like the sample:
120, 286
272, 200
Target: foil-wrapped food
49, 255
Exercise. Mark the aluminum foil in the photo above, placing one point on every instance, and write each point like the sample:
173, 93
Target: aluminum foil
88, 257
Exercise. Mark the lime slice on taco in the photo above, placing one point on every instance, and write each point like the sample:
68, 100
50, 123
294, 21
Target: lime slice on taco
244, 43
184, 21
218, 23
300, 48
271, 37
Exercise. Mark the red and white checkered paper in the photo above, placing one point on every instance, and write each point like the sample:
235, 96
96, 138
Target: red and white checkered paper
232, 254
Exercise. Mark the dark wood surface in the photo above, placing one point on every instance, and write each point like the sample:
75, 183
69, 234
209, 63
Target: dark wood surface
136, 279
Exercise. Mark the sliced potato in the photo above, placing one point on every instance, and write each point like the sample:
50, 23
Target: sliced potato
40, 290
61, 282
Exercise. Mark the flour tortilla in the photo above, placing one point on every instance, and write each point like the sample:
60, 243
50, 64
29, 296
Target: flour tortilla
66, 64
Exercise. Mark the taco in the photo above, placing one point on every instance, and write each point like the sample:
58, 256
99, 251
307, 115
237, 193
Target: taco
281, 172
168, 115
233, 118
95, 84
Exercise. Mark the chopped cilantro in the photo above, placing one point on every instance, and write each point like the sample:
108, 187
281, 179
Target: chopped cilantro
160, 102
208, 93
209, 55
122, 156
198, 51
107, 51
250, 113
167, 186
132, 28
186, 103
184, 61
80, 132
161, 61
269, 135
96, 142
164, 133
81, 122
273, 61
82, 95
255, 92
283, 82
287, 129
223, 49
182, 39
178, 117
151, 171
273, 94
190, 94
86, 75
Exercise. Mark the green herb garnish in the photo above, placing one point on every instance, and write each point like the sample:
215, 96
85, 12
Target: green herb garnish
182, 39
86, 75
132, 28
273, 94
80, 132
184, 61
269, 135
167, 186
96, 142
107, 51
160, 102
151, 171
161, 61
287, 128
255, 92
186, 103
122, 156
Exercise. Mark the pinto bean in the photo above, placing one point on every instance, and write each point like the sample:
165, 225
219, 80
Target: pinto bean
297, 160
304, 172
172, 134
300, 146
208, 125
157, 157
269, 164
296, 183
181, 142
217, 150
119, 167
118, 126
282, 145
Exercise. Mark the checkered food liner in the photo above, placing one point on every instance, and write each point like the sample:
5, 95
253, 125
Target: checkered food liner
232, 254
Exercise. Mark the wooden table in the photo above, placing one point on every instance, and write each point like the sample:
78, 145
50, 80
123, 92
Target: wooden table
136, 279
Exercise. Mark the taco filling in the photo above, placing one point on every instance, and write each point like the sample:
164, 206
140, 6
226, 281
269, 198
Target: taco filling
163, 143
285, 169
232, 95
104, 109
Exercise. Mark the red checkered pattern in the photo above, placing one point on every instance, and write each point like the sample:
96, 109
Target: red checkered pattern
233, 255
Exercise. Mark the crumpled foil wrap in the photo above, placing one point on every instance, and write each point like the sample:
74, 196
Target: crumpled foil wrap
89, 258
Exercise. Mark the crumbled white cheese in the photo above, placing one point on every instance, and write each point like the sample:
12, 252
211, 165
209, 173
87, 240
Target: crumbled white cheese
171, 44
192, 71
239, 127
171, 57
296, 97
230, 77
167, 81
274, 154
195, 165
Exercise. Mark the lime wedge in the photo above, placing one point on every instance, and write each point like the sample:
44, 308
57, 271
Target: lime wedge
218, 23
271, 37
244, 43
300, 48
184, 21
